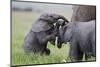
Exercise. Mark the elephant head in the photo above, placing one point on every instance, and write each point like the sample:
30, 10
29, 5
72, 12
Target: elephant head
42, 31
46, 21
51, 18
64, 32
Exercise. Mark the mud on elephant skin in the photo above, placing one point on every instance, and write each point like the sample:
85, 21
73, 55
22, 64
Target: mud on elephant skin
81, 37
42, 31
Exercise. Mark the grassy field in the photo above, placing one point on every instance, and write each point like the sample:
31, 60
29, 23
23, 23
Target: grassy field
21, 23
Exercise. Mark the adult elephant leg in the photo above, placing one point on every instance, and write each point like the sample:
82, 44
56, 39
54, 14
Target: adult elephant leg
87, 56
74, 53
94, 45
80, 55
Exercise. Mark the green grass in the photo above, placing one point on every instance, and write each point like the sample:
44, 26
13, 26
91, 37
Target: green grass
21, 24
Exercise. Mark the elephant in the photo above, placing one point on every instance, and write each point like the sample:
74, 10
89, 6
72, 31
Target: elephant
82, 39
83, 13
42, 31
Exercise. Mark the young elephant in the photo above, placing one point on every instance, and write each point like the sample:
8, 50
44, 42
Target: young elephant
41, 32
81, 37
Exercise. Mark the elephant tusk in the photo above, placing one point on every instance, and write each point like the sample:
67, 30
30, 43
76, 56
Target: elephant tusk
56, 42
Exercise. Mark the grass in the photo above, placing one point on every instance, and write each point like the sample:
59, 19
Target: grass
21, 24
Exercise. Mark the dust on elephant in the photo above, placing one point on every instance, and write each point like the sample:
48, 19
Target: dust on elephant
81, 37
83, 13
41, 32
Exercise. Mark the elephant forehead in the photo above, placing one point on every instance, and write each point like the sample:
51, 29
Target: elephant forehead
41, 26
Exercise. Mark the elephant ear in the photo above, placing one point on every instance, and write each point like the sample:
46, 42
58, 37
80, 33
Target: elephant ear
41, 26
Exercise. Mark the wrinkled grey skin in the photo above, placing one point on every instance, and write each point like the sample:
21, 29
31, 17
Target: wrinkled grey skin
41, 32
83, 13
81, 37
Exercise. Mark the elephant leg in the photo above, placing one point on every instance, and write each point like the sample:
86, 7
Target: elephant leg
59, 43
48, 38
30, 42
53, 41
87, 56
94, 48
80, 55
46, 52
75, 53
